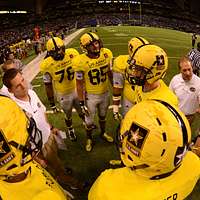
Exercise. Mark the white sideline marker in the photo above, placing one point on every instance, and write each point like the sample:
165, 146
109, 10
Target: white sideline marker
36, 86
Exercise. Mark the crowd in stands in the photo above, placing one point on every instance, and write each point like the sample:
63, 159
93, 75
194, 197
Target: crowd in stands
60, 19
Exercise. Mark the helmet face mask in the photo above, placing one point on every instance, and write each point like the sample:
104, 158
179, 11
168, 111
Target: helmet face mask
19, 138
148, 64
91, 43
136, 75
56, 48
93, 47
154, 138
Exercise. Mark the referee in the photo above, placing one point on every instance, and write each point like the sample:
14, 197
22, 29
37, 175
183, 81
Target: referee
194, 56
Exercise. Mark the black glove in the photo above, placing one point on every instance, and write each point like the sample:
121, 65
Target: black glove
84, 108
54, 108
117, 116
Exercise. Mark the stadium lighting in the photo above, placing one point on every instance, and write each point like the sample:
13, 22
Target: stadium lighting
13, 11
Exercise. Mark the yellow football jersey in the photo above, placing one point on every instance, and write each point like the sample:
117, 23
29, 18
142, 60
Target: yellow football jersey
61, 72
37, 183
119, 66
124, 184
161, 93
95, 71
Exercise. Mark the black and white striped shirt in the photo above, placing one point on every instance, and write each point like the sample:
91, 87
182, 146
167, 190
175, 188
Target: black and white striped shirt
194, 56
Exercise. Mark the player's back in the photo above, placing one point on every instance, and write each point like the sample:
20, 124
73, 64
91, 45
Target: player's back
125, 184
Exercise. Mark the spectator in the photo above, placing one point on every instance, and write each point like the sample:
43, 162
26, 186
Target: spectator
28, 100
18, 64
186, 87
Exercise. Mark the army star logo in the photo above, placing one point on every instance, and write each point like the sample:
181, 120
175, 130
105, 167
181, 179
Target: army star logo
135, 136
1, 148
181, 155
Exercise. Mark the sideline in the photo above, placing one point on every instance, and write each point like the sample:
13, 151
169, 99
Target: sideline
32, 69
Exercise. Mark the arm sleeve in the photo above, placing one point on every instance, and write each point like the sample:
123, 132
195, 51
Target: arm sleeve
118, 80
47, 78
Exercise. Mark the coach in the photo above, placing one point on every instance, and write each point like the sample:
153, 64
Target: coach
186, 86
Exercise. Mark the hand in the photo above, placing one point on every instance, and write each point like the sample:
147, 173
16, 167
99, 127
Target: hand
198, 110
117, 116
196, 146
84, 108
55, 131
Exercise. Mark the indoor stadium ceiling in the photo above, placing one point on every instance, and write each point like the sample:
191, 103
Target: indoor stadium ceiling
17, 4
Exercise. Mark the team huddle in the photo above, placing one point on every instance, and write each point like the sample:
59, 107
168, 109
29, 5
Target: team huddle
154, 137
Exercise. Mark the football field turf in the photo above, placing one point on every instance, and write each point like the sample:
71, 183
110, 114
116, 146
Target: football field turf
88, 166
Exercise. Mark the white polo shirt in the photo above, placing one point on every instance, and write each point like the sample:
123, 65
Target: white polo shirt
37, 110
4, 91
188, 93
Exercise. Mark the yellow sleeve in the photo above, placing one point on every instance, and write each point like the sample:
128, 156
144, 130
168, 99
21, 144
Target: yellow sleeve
78, 63
44, 66
109, 52
120, 64
97, 190
71, 52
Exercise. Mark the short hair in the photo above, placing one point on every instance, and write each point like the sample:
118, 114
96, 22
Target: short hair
183, 59
6, 63
9, 75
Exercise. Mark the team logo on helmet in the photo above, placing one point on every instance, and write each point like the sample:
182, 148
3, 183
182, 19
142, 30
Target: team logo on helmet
160, 62
6, 154
148, 64
136, 139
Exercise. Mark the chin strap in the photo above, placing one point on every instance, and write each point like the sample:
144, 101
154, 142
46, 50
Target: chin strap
164, 175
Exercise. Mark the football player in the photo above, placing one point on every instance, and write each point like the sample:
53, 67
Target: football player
121, 86
154, 140
92, 76
58, 76
20, 177
146, 69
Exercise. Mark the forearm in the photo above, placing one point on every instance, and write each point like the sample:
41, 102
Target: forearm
117, 95
110, 76
80, 90
49, 92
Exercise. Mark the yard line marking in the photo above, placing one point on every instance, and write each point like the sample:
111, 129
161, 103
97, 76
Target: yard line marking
38, 77
36, 86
